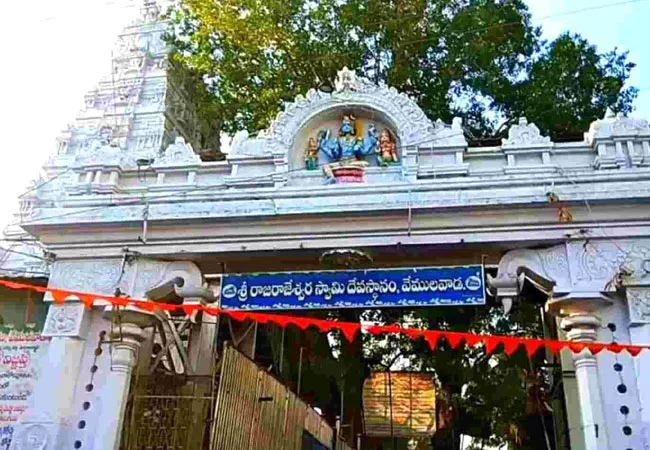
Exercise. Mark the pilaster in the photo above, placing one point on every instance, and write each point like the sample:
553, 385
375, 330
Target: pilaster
43, 425
126, 340
579, 316
583, 327
638, 301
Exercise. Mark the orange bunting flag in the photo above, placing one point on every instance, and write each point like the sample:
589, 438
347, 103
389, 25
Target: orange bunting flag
510, 345
432, 338
453, 339
491, 344
59, 295
348, 329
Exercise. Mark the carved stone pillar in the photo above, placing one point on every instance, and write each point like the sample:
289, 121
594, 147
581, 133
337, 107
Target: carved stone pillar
583, 327
126, 340
638, 300
43, 424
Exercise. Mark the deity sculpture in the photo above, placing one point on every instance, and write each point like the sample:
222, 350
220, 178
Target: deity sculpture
311, 154
387, 150
347, 145
347, 150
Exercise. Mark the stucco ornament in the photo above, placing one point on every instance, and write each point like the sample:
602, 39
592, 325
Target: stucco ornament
101, 277
346, 80
523, 134
102, 149
32, 437
63, 320
178, 153
238, 141
407, 119
150, 11
147, 273
639, 304
608, 263
583, 266
616, 125
410, 126
551, 264
448, 135
31, 259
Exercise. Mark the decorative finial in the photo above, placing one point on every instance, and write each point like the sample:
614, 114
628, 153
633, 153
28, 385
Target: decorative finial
346, 80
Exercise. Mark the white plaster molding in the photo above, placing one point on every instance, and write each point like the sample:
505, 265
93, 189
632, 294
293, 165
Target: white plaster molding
525, 134
146, 274
583, 266
239, 143
26, 260
582, 327
578, 304
638, 301
615, 126
448, 135
104, 276
596, 263
410, 122
149, 11
68, 319
127, 340
551, 263
412, 127
178, 154
87, 275
101, 150
32, 437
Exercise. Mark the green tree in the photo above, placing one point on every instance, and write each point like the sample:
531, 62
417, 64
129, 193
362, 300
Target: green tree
569, 85
480, 395
481, 60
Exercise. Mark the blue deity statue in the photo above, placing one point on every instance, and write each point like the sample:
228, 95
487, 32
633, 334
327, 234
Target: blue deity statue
347, 145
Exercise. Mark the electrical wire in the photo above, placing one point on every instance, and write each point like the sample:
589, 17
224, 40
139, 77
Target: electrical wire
10, 250
563, 173
40, 185
17, 272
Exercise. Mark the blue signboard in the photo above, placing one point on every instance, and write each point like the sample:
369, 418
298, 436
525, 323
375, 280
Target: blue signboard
377, 288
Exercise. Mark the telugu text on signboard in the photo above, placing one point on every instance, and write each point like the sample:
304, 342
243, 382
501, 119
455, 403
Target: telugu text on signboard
376, 288
19, 371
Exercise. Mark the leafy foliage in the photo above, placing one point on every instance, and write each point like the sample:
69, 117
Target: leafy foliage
484, 395
569, 85
478, 59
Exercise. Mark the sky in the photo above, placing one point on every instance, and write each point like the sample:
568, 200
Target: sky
56, 50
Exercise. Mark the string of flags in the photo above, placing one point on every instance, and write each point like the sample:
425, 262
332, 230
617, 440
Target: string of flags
454, 339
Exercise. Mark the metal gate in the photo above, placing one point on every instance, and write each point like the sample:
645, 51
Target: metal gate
169, 414
171, 403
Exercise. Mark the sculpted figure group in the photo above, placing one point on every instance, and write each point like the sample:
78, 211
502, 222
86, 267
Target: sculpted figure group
346, 153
